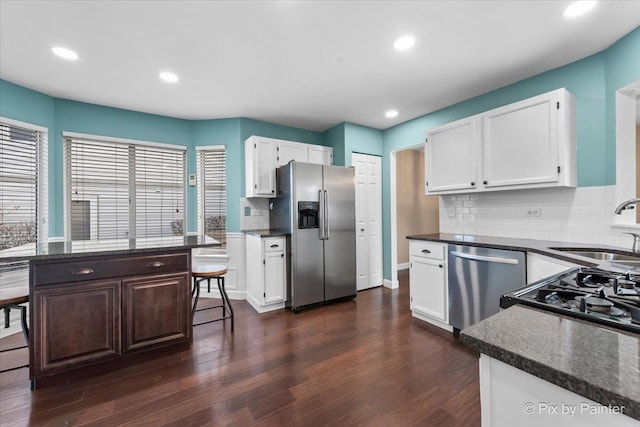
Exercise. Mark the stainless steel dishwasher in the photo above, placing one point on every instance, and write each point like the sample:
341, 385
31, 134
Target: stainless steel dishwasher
478, 277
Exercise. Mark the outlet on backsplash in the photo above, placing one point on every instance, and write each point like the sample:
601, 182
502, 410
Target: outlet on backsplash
533, 212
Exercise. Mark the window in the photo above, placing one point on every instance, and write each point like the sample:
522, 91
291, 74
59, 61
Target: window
212, 192
23, 184
23, 195
122, 189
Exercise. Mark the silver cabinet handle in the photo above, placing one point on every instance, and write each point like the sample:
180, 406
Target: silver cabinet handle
82, 272
327, 226
485, 258
155, 264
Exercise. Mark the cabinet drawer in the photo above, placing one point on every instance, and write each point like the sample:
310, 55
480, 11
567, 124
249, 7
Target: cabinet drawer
47, 273
431, 250
273, 244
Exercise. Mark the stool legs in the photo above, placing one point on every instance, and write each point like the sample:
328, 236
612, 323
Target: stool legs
225, 300
227, 310
7, 310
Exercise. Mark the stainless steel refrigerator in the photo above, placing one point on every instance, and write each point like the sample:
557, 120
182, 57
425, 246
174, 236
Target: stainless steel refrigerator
315, 206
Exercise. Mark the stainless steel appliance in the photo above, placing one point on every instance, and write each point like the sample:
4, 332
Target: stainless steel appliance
599, 296
478, 277
315, 206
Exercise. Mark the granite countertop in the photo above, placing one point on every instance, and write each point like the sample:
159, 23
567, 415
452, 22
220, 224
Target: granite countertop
265, 233
103, 247
594, 361
543, 247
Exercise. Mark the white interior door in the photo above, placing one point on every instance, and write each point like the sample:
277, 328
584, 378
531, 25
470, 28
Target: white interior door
368, 177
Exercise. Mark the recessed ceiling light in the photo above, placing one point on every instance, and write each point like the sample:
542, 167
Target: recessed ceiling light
404, 43
64, 53
578, 8
391, 114
168, 77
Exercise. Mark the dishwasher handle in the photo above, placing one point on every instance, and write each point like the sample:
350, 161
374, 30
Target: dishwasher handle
485, 258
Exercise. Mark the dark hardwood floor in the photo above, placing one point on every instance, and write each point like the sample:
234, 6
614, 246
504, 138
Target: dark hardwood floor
361, 362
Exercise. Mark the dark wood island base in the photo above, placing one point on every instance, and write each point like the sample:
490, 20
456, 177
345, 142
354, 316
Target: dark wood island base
93, 314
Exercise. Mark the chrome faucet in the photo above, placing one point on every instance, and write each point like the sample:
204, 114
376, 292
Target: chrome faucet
627, 204
636, 242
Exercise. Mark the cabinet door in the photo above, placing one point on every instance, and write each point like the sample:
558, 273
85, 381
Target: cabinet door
320, 155
451, 157
155, 310
75, 325
288, 151
265, 163
520, 143
428, 288
274, 277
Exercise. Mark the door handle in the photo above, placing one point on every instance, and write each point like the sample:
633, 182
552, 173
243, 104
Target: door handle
362, 229
485, 258
321, 213
82, 272
327, 225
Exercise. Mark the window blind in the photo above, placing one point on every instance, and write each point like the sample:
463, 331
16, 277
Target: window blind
119, 190
23, 185
212, 193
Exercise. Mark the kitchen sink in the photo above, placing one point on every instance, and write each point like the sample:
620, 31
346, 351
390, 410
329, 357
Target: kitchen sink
628, 260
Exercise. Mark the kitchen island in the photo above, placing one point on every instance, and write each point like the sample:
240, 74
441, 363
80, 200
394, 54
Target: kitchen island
98, 305
541, 368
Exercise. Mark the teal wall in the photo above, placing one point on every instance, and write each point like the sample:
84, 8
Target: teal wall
593, 81
334, 137
59, 115
362, 139
347, 138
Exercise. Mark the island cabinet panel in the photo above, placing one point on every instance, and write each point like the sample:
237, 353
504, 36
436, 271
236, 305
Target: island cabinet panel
155, 310
127, 308
80, 324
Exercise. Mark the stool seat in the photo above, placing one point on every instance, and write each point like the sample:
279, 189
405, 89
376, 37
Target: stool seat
207, 272
11, 298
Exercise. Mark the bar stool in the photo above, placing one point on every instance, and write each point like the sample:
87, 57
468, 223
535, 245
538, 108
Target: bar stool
208, 272
14, 298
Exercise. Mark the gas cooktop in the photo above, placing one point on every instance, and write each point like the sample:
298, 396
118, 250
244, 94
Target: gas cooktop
600, 296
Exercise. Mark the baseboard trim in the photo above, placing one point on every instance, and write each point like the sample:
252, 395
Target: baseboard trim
403, 266
391, 284
262, 309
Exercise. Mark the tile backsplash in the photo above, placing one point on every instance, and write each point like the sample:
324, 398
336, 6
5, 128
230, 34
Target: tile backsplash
581, 215
258, 210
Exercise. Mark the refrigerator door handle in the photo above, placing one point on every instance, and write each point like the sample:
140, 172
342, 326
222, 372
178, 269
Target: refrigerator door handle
321, 214
326, 215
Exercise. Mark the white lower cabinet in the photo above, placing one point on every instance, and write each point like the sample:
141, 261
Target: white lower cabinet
512, 397
428, 283
266, 272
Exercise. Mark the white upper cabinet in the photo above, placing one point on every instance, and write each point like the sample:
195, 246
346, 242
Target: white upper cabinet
260, 156
320, 155
527, 144
263, 155
288, 151
451, 157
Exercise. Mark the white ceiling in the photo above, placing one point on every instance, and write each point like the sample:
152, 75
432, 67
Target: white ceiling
310, 64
